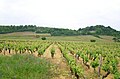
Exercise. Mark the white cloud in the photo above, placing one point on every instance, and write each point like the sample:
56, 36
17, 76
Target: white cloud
61, 13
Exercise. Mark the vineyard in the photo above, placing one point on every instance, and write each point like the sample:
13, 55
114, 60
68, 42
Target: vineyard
73, 60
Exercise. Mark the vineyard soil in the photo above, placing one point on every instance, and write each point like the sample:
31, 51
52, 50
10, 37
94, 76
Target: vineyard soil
62, 70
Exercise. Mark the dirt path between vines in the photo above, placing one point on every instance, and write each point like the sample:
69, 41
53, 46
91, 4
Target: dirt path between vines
62, 70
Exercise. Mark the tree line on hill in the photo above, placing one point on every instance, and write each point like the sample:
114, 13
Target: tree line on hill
91, 30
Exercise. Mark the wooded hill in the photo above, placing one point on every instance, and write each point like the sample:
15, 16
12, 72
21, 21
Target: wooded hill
91, 30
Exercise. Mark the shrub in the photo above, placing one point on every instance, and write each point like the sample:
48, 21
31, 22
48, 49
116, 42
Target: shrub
92, 40
116, 39
43, 38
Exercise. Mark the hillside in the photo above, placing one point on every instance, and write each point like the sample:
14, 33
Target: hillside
91, 30
36, 29
99, 30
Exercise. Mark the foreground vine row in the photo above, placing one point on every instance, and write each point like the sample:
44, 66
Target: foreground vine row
102, 57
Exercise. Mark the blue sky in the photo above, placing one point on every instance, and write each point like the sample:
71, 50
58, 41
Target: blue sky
72, 14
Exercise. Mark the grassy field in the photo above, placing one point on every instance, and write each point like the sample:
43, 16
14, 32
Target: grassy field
32, 36
23, 35
82, 38
24, 67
